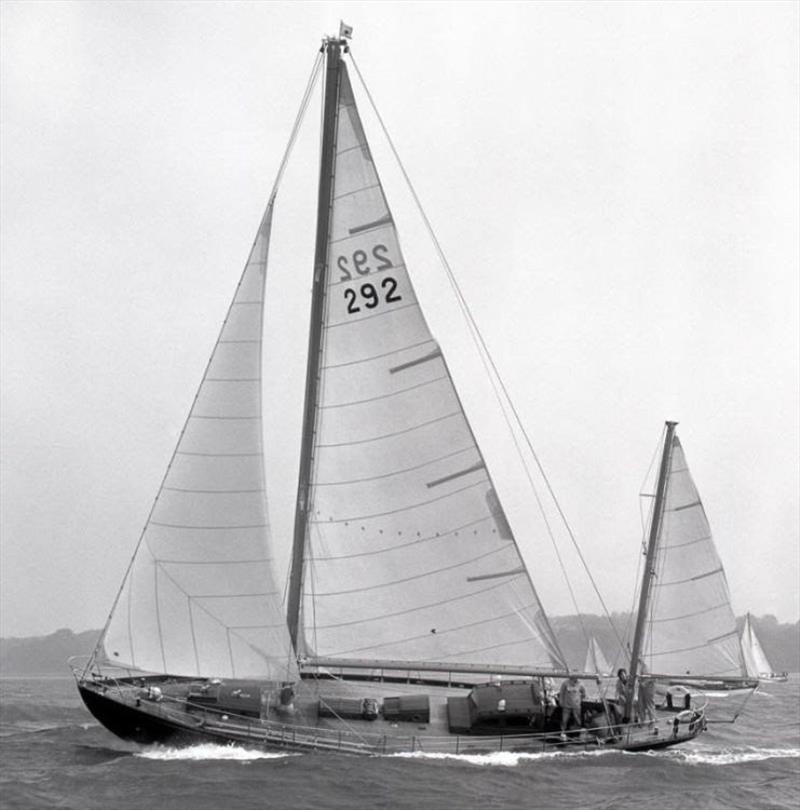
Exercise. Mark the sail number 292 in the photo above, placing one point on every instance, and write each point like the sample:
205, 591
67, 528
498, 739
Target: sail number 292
368, 295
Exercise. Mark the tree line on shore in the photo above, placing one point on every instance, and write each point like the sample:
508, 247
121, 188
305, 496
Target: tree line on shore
47, 655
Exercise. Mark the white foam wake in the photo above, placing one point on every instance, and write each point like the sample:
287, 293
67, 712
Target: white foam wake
722, 756
207, 751
510, 759
734, 756
503, 758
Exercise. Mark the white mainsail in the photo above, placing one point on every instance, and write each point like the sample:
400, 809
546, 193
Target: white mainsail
200, 596
691, 628
755, 658
408, 552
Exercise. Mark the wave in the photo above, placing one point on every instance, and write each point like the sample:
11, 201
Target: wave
209, 751
41, 727
510, 759
723, 756
506, 759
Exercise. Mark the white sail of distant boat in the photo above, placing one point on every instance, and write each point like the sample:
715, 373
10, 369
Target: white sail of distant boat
595, 660
756, 661
408, 599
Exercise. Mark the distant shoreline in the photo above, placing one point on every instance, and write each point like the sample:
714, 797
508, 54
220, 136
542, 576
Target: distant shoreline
46, 656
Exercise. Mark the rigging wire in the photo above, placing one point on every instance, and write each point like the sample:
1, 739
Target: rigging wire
308, 571
658, 560
496, 381
312, 81
645, 522
350, 727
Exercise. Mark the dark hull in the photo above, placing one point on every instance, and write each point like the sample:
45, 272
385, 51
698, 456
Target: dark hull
145, 723
137, 726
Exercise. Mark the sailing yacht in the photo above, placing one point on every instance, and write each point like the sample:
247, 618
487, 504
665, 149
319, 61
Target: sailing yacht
411, 620
595, 660
756, 662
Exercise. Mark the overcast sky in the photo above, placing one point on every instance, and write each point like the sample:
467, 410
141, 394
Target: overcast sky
615, 186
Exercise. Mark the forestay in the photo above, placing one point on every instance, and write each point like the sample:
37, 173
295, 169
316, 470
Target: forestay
408, 552
200, 596
691, 628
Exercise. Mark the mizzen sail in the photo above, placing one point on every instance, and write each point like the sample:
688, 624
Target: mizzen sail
408, 555
691, 628
200, 596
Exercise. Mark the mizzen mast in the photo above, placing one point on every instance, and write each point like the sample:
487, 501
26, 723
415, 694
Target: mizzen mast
649, 566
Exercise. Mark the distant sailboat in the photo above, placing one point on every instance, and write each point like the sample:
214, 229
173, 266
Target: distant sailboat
595, 660
409, 601
755, 658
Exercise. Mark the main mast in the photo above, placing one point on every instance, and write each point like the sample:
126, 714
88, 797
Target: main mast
647, 577
332, 48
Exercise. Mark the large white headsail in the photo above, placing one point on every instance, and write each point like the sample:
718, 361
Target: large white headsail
408, 553
200, 597
691, 628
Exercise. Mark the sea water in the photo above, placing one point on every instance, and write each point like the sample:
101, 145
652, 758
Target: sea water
54, 754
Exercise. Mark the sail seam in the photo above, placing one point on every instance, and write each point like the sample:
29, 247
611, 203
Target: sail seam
216, 455
471, 447
417, 361
223, 418
511, 573
415, 577
426, 539
386, 219
214, 491
181, 526
408, 508
446, 658
352, 234
689, 615
702, 646
396, 433
232, 596
690, 579
731, 634
378, 356
382, 314
162, 561
685, 506
417, 609
281, 625
357, 190
359, 145
480, 465
384, 396
672, 546
204, 608
458, 629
